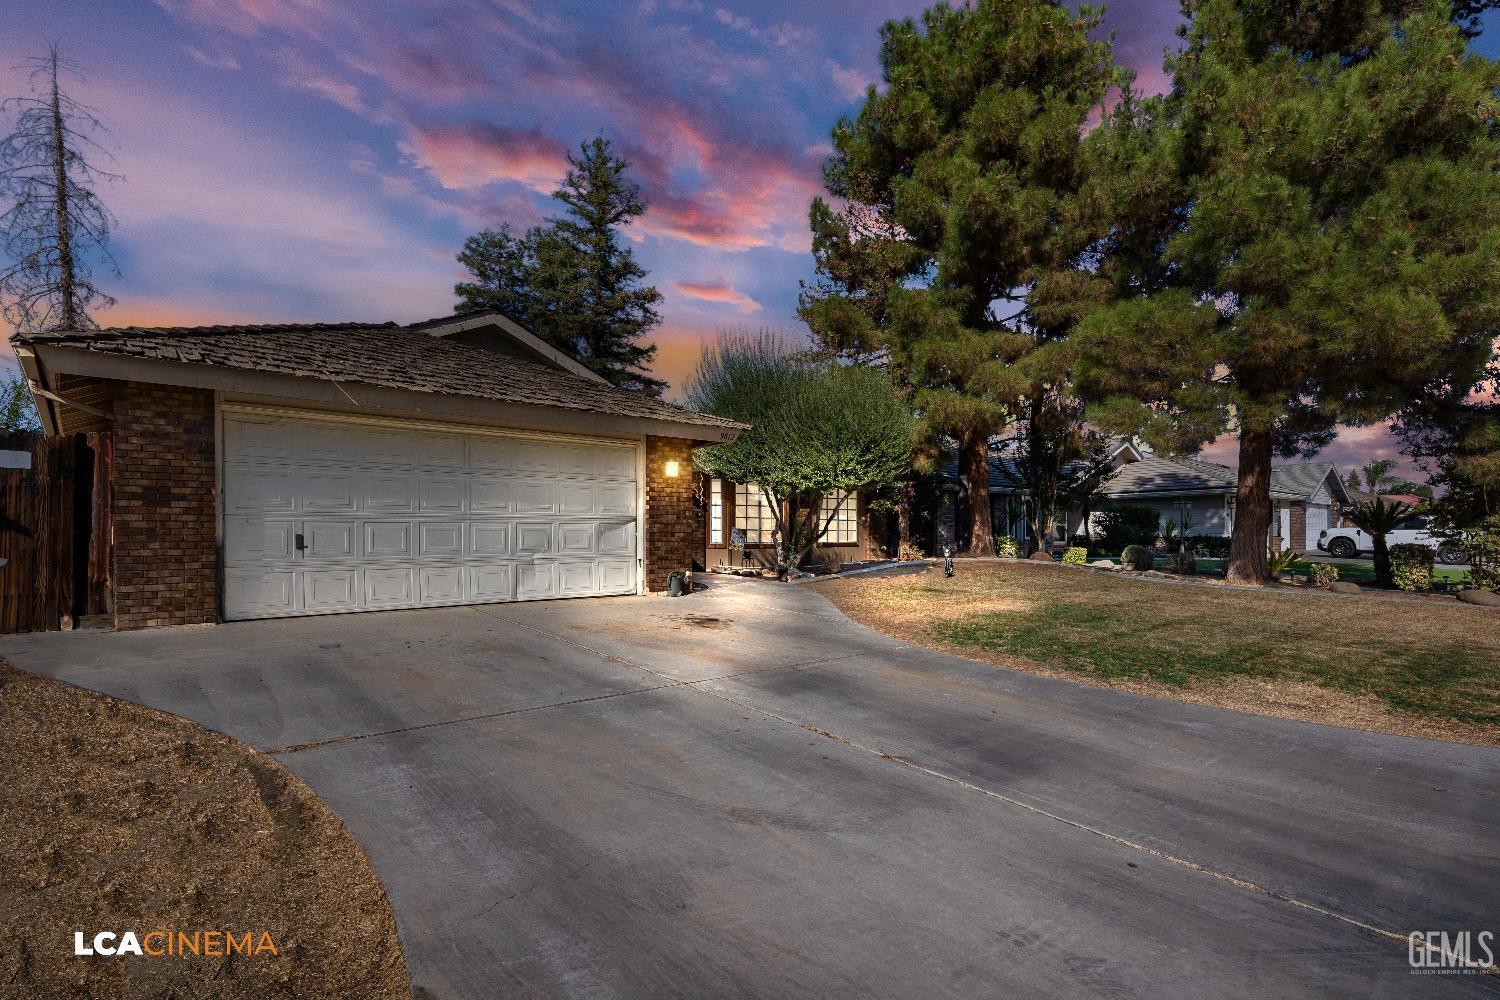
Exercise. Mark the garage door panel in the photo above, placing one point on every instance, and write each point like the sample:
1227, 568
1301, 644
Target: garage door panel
387, 539
492, 583
439, 539
260, 491
260, 540
393, 517
327, 492
329, 589
440, 585
329, 539
389, 586
490, 539
534, 539
616, 576
489, 494
575, 579
261, 592
576, 539
536, 580
389, 493
615, 499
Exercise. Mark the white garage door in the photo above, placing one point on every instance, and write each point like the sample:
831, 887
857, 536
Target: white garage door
1317, 521
323, 517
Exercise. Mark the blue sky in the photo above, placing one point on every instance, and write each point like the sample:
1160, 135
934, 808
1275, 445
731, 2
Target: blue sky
321, 160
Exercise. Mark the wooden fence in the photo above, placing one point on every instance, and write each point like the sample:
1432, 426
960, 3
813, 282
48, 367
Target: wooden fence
55, 561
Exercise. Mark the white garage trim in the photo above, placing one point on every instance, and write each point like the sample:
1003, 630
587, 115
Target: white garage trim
517, 521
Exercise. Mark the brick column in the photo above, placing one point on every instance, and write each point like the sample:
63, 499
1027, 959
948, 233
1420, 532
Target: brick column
1298, 529
166, 561
675, 532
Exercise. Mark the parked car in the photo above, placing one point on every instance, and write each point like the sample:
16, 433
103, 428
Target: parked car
1346, 543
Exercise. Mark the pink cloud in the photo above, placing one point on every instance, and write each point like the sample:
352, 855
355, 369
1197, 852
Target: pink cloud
717, 292
475, 154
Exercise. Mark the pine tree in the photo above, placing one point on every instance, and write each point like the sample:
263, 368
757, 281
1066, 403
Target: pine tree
959, 172
55, 222
571, 281
1303, 233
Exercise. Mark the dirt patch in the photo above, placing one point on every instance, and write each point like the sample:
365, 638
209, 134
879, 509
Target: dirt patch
1422, 668
702, 621
119, 818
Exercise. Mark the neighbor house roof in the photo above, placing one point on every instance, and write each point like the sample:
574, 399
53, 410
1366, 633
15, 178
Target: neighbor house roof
412, 358
1304, 478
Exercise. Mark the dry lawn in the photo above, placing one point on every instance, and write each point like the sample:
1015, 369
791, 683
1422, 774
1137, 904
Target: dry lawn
116, 817
1428, 668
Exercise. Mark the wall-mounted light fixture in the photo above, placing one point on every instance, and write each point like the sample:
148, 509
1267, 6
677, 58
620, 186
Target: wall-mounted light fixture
672, 468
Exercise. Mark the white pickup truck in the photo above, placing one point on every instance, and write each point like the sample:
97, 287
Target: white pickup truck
1346, 543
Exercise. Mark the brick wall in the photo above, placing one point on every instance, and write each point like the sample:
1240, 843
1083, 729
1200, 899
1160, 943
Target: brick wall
1299, 537
675, 532
166, 569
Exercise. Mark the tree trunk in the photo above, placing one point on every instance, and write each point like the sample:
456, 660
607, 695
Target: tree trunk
1252, 509
1382, 554
976, 460
66, 283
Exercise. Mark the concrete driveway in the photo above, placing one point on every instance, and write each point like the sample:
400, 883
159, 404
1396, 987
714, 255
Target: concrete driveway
741, 793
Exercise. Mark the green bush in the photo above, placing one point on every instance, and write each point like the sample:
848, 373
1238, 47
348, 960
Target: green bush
1482, 545
1122, 524
1076, 556
1209, 546
1411, 566
1324, 573
1138, 557
1006, 548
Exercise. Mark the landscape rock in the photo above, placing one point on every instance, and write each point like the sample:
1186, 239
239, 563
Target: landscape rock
1040, 556
1104, 564
1343, 587
1483, 598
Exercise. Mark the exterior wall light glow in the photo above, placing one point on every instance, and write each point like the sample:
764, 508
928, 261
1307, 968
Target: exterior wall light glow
672, 468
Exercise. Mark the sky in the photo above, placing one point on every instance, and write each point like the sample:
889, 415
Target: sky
324, 160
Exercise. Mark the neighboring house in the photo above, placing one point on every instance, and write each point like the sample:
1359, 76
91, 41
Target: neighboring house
1308, 497
735, 512
1009, 501
1364, 496
300, 469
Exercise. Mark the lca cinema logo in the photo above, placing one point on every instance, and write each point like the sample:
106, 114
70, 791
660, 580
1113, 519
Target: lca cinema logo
1451, 953
174, 944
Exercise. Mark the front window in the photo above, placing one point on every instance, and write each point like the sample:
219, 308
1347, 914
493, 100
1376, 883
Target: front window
752, 515
844, 528
716, 512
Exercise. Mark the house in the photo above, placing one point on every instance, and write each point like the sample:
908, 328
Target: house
1307, 497
301, 469
738, 526
1009, 500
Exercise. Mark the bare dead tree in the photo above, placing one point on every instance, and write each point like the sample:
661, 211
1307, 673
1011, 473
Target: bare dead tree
55, 223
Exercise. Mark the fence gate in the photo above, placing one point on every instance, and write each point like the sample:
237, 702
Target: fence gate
55, 562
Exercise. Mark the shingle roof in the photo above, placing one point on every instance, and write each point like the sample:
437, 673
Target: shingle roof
383, 354
1303, 478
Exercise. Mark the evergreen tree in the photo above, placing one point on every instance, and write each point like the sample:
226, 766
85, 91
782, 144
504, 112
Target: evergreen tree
958, 173
1303, 233
571, 281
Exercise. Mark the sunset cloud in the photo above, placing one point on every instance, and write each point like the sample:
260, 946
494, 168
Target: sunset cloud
717, 292
475, 154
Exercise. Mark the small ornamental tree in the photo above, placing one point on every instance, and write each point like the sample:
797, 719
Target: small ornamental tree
816, 430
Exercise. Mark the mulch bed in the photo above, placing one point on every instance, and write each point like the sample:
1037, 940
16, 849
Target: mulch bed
119, 818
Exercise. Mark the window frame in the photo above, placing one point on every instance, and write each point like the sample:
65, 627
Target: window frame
753, 515
845, 522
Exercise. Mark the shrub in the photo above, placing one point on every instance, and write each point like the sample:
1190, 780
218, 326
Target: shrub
1324, 573
1184, 563
1138, 557
1005, 548
1210, 546
1283, 562
909, 553
1075, 556
1411, 566
1122, 524
1482, 545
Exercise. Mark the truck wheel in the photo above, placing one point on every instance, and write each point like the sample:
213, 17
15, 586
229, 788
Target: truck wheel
1342, 548
1450, 554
